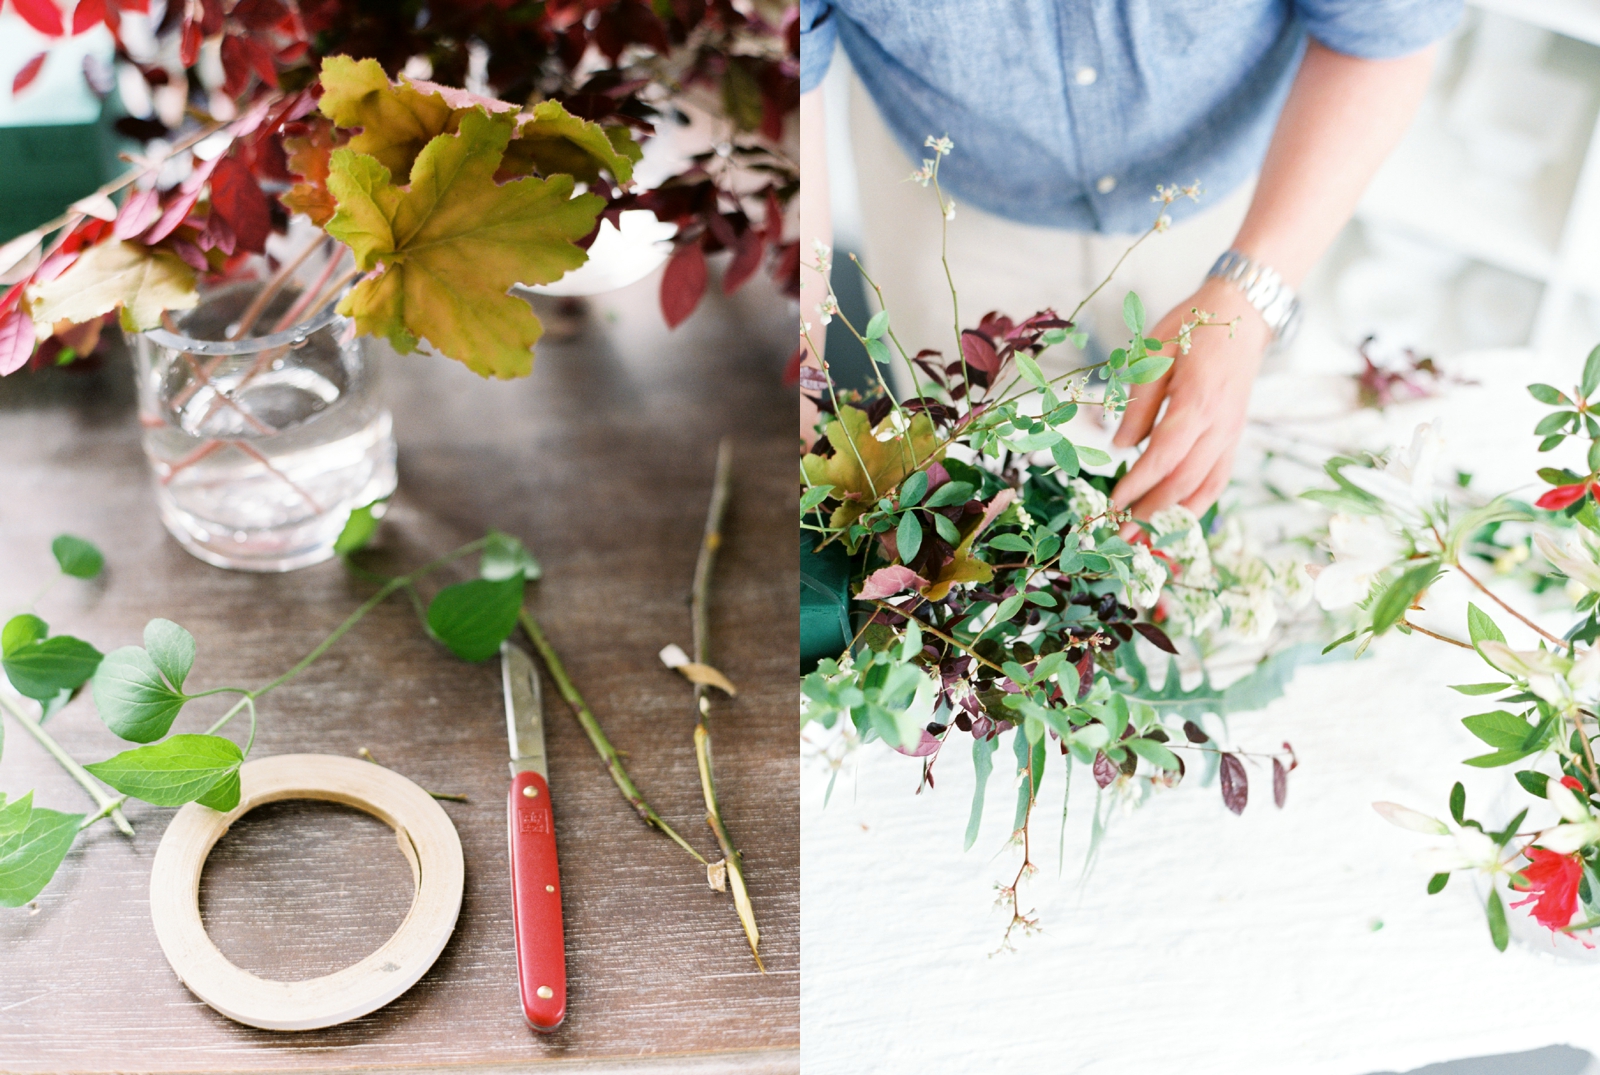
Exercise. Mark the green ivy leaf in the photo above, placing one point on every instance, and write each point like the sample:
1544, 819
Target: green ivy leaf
171, 649
43, 668
359, 528
505, 556
175, 771
473, 618
28, 859
908, 537
77, 557
133, 700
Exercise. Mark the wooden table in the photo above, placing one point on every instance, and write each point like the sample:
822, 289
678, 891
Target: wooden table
602, 462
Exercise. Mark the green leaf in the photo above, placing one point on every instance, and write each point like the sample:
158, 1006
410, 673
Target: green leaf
133, 700
144, 281
1390, 608
175, 771
878, 325
1458, 803
1028, 754
879, 352
29, 859
1591, 374
44, 668
1547, 394
14, 815
1030, 370
1479, 688
1008, 608
1012, 543
442, 253
1551, 441
1147, 369
1092, 457
77, 557
1336, 643
912, 488
950, 493
1437, 882
21, 630
818, 493
1499, 729
1133, 314
1534, 783
1498, 933
473, 618
505, 556
908, 537
1480, 628
982, 765
171, 649
946, 529
1153, 752
1497, 759
359, 527
1066, 457
224, 794
1552, 423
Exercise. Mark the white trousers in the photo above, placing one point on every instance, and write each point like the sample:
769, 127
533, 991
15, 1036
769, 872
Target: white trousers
1017, 269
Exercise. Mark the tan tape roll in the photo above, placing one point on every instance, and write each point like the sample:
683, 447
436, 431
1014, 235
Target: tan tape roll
427, 839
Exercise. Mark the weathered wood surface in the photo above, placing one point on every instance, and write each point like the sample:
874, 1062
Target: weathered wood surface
602, 462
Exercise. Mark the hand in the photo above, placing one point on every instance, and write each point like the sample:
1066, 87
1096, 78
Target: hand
1189, 458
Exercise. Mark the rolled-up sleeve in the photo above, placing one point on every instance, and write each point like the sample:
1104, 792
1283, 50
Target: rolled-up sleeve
1378, 29
818, 35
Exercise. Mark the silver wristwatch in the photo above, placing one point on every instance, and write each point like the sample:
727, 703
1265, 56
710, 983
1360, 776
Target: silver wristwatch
1273, 299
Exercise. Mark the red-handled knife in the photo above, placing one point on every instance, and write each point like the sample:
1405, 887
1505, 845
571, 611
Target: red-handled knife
535, 874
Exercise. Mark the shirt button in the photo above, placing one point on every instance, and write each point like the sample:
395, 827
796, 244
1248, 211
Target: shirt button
1106, 185
1085, 76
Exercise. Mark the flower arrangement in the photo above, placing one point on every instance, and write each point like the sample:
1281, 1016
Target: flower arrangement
1001, 594
1396, 531
407, 172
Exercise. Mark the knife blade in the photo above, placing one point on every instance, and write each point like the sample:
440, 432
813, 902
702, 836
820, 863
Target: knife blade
535, 871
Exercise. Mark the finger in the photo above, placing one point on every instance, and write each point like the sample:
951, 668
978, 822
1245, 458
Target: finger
1172, 440
1141, 412
1183, 479
1202, 498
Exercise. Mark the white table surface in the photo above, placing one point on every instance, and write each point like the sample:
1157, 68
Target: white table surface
1295, 941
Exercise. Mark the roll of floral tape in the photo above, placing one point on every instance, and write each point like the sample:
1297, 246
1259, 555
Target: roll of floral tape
427, 839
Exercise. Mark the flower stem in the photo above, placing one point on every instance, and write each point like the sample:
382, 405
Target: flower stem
106, 803
1540, 631
1431, 634
597, 736
700, 620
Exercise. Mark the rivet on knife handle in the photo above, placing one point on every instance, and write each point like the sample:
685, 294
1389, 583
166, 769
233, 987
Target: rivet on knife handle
536, 903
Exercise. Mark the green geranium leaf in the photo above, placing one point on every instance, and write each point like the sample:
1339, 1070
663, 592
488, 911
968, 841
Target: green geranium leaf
473, 618
43, 668
171, 648
77, 557
28, 859
132, 698
359, 528
175, 771
505, 556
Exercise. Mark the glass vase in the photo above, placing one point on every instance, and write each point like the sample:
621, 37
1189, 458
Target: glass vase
261, 445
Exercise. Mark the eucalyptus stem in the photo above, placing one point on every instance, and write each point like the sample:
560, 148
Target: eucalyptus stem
597, 736
700, 620
107, 804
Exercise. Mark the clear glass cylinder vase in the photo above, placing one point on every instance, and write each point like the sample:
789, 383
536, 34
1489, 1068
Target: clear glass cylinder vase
261, 445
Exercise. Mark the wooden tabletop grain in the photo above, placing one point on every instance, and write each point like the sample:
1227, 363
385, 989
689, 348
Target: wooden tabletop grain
601, 461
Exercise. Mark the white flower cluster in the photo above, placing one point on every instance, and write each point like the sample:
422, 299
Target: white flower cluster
1223, 585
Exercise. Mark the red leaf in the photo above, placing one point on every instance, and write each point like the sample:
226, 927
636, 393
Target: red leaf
179, 207
42, 15
1156, 636
261, 60
235, 65
746, 260
888, 581
1235, 784
1194, 733
16, 341
683, 283
210, 17
189, 47
87, 15
1104, 771
29, 72
260, 14
138, 212
1561, 496
1280, 783
237, 198
979, 352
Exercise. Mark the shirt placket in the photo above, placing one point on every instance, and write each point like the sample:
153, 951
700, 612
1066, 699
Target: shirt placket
1086, 47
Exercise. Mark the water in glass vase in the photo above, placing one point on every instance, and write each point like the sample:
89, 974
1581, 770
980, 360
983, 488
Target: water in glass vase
262, 445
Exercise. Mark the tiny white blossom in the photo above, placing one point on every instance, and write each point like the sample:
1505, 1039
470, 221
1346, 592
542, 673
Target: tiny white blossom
1147, 576
1024, 520
1085, 501
950, 210
824, 254
922, 175
941, 145
827, 308
893, 425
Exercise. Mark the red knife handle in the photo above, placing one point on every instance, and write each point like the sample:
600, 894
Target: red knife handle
536, 903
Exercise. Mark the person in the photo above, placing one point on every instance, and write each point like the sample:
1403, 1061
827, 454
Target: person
1065, 116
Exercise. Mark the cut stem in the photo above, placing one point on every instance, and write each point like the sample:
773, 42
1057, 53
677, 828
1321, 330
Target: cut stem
106, 803
700, 620
597, 736
1540, 631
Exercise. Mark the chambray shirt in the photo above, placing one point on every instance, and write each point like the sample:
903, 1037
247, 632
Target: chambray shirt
1068, 113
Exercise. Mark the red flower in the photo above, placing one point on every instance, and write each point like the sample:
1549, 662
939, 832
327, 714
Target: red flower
1571, 782
1553, 880
1562, 496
